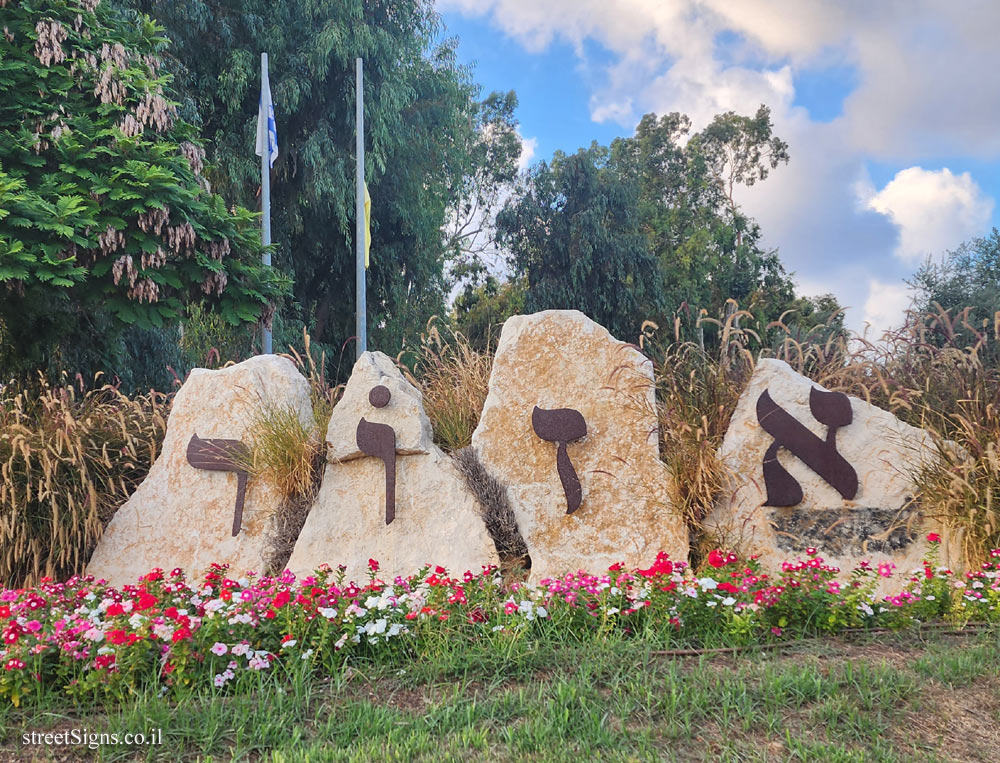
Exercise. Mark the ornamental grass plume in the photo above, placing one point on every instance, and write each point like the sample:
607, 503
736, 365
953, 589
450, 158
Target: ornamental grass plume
454, 378
69, 456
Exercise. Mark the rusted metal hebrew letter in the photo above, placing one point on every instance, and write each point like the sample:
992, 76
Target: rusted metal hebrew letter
223, 456
562, 425
830, 408
379, 440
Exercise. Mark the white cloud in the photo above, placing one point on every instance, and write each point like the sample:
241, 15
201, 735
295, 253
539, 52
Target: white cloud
886, 306
921, 68
528, 148
935, 210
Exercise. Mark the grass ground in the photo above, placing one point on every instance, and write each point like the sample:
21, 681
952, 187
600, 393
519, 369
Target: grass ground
899, 697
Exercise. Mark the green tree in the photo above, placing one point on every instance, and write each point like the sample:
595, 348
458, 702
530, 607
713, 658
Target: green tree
431, 145
574, 233
480, 310
708, 250
649, 228
106, 219
966, 277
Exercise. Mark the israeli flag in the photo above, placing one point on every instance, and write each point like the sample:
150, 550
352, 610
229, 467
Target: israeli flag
265, 123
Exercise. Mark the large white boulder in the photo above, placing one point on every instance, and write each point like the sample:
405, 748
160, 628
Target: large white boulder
873, 458
437, 521
182, 516
561, 359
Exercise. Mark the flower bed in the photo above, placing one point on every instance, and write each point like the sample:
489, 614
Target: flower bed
183, 633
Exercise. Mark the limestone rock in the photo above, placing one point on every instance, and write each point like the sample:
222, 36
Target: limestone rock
405, 411
562, 359
437, 519
880, 522
181, 516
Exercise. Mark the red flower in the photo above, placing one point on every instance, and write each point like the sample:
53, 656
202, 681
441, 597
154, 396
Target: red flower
662, 566
716, 559
146, 600
4, 611
616, 567
116, 609
373, 565
728, 587
180, 634
933, 538
117, 636
281, 599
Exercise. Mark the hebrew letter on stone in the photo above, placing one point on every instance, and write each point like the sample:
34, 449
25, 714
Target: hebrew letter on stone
562, 425
830, 408
222, 456
379, 440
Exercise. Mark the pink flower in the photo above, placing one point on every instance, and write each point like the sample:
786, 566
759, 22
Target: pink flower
219, 648
885, 569
933, 538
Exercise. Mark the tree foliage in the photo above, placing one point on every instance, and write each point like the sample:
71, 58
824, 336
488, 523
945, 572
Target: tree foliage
968, 276
432, 147
649, 228
106, 217
576, 237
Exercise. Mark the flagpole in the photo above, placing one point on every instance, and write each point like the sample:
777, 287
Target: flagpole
265, 200
361, 308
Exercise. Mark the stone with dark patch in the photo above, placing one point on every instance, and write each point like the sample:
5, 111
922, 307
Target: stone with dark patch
854, 531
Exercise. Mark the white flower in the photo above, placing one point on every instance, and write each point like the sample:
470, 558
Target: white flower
708, 584
929, 598
710, 603
497, 628
105, 650
613, 611
541, 611
728, 601
307, 654
220, 680
289, 644
240, 649
136, 620
244, 582
328, 612
395, 629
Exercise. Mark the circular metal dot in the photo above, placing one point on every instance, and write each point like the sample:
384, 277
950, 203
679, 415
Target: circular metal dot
379, 396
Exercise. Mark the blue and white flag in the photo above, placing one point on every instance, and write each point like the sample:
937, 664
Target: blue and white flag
265, 123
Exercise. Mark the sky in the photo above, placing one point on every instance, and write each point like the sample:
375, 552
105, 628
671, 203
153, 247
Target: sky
891, 110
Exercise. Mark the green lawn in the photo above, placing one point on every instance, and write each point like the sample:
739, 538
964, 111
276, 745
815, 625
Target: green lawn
888, 697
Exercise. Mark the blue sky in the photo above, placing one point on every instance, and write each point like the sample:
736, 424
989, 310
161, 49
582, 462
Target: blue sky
895, 145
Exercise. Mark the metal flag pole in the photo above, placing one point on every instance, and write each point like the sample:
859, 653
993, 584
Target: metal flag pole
265, 197
361, 309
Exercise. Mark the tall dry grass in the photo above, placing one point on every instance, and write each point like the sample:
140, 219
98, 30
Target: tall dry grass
69, 457
453, 377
